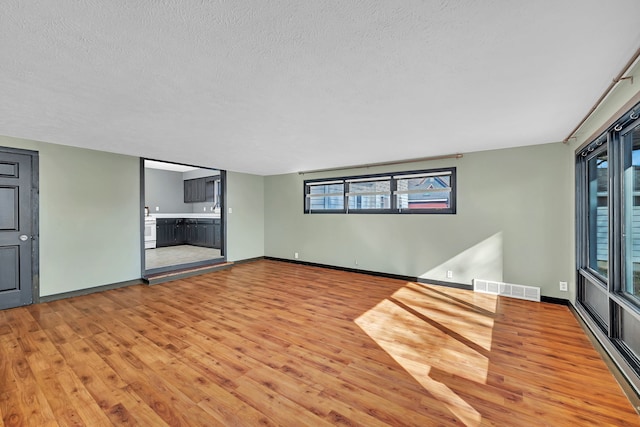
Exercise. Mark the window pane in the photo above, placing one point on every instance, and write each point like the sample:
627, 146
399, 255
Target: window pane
599, 214
630, 332
421, 192
370, 195
631, 212
325, 189
321, 197
430, 192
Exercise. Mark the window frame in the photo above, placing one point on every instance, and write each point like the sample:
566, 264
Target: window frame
604, 303
392, 178
621, 289
603, 279
307, 195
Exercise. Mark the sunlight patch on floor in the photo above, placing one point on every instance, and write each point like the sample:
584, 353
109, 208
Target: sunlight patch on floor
414, 329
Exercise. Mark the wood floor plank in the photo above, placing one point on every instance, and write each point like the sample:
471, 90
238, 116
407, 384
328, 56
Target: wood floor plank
228, 410
23, 402
271, 343
274, 405
107, 388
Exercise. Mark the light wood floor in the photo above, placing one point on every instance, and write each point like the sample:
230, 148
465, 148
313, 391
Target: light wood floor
270, 343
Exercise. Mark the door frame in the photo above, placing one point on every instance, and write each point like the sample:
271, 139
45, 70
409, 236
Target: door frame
223, 223
35, 215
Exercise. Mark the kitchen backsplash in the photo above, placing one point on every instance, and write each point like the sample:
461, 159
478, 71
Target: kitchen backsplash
202, 207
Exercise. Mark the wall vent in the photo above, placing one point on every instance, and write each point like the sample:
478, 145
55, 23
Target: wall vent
530, 293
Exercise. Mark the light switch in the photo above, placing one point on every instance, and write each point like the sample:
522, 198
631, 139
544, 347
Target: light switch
230, 210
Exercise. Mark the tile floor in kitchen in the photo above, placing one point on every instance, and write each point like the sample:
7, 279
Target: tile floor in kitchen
176, 255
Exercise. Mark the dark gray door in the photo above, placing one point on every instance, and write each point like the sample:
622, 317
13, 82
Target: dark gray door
16, 230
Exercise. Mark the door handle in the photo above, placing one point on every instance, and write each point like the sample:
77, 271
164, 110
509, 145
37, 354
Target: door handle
23, 237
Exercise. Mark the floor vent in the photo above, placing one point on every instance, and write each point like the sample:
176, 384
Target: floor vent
530, 293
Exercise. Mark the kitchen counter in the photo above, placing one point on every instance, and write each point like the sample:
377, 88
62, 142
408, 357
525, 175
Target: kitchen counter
186, 215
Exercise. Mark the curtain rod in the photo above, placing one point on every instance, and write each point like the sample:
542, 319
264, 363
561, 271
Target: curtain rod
620, 77
395, 162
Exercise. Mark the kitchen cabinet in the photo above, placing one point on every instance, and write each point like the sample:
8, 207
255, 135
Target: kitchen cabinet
179, 233
191, 230
195, 190
201, 189
165, 232
205, 232
169, 232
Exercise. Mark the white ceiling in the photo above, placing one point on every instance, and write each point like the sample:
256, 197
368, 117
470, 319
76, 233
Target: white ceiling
270, 87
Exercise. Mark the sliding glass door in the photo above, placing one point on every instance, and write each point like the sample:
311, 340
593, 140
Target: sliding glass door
608, 241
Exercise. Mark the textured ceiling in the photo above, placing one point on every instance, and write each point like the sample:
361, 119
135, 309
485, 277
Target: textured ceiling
270, 87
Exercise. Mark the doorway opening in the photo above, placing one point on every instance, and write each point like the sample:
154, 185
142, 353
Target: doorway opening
182, 209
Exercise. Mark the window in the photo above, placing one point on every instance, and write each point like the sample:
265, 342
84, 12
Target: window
608, 240
599, 213
424, 191
427, 191
631, 211
325, 197
369, 193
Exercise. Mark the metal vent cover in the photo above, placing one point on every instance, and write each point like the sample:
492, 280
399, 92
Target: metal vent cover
530, 293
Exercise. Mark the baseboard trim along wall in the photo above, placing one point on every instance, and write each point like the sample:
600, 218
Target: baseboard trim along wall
350, 270
375, 273
441, 283
552, 300
55, 297
423, 280
246, 260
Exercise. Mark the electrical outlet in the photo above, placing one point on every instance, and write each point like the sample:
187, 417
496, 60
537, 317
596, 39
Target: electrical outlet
295, 255
230, 210
157, 208
356, 262
564, 286
449, 274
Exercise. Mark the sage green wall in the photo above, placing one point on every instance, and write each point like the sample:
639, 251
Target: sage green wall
512, 223
89, 216
515, 218
165, 190
245, 225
